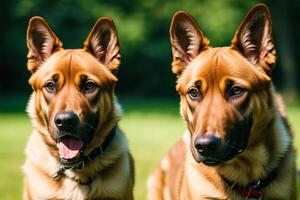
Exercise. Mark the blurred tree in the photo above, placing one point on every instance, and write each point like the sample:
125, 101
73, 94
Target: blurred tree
143, 30
284, 38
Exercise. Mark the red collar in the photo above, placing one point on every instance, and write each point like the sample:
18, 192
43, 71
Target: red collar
250, 192
254, 190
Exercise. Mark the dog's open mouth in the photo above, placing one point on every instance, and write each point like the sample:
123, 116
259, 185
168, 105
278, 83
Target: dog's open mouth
69, 147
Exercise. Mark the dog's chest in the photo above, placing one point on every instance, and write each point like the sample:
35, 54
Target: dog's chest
111, 183
68, 189
98, 189
103, 186
202, 187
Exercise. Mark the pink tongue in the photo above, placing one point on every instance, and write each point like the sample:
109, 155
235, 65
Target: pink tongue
69, 147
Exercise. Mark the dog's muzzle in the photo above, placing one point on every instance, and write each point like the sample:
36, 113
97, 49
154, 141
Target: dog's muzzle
66, 122
70, 144
211, 150
206, 146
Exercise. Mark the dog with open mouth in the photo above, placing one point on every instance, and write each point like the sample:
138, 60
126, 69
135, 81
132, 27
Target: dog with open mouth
76, 150
237, 144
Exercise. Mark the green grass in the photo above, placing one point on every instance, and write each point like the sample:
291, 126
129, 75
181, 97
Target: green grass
151, 126
14, 130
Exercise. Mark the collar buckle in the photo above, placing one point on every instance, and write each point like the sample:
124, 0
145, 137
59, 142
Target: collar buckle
59, 174
79, 167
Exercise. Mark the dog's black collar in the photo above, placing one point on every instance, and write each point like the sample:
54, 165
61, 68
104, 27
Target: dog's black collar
254, 190
79, 162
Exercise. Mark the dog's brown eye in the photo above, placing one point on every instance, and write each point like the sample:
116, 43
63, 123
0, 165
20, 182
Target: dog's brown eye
194, 93
236, 91
50, 86
89, 87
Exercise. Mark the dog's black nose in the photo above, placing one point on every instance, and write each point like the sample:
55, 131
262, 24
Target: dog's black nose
206, 144
66, 121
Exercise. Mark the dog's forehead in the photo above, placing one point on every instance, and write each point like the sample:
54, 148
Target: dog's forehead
74, 60
214, 64
72, 63
217, 62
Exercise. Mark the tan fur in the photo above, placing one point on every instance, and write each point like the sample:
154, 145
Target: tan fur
179, 176
112, 173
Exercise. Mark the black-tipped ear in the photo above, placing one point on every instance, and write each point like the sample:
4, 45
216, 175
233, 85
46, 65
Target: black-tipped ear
103, 43
41, 42
187, 40
254, 38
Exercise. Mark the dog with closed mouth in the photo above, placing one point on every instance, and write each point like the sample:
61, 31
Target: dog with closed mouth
237, 144
76, 150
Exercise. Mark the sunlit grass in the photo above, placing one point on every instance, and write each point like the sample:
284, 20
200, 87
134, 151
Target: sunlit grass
14, 130
294, 118
151, 126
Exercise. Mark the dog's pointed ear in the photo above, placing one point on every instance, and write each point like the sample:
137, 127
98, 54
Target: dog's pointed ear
41, 42
254, 38
187, 40
103, 43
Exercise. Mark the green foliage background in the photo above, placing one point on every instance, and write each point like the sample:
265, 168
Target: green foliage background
143, 31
